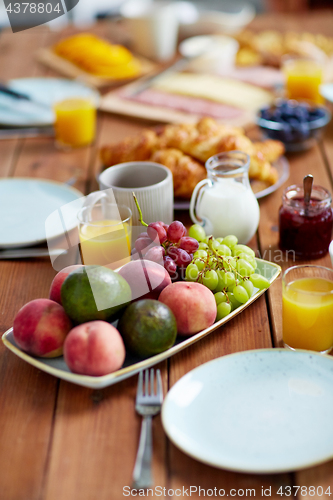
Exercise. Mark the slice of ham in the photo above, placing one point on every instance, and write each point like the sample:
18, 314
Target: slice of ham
193, 105
261, 76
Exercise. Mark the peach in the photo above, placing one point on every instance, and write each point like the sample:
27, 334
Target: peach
146, 278
192, 304
94, 348
57, 282
40, 328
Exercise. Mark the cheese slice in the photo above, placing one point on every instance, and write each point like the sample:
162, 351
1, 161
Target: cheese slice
235, 93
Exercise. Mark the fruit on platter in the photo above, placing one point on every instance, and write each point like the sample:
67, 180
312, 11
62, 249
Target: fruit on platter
40, 328
58, 280
226, 268
165, 244
148, 327
94, 348
192, 304
146, 278
94, 293
220, 276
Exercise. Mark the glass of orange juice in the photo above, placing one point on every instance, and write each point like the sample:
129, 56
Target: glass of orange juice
105, 231
75, 122
307, 301
303, 78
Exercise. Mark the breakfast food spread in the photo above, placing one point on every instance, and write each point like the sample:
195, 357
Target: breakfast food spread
184, 148
98, 57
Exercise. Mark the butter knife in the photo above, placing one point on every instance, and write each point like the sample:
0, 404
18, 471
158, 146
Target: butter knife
28, 253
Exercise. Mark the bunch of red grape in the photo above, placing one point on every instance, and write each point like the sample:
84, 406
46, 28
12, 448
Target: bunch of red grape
167, 245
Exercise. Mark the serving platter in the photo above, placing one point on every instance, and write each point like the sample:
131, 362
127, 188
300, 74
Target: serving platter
49, 58
133, 365
257, 411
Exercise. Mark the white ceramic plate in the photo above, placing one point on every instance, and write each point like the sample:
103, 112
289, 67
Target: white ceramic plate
46, 91
132, 365
25, 204
267, 410
282, 167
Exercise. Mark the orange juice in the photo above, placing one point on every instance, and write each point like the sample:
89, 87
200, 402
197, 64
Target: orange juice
106, 243
303, 79
75, 122
308, 314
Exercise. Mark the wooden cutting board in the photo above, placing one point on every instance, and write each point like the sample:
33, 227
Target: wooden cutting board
66, 68
114, 102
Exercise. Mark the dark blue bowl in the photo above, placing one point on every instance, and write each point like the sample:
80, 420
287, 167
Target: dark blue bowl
294, 123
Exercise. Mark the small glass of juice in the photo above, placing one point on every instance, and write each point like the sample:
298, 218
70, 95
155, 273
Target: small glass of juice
105, 231
75, 122
303, 79
307, 302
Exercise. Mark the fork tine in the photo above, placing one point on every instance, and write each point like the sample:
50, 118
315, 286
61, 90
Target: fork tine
147, 383
139, 391
152, 381
159, 386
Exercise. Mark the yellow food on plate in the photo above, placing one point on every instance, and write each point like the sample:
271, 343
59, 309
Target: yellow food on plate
98, 57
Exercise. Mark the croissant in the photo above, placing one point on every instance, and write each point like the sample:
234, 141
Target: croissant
208, 138
184, 148
185, 170
271, 149
138, 148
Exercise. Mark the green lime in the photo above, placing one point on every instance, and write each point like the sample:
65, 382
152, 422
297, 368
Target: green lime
148, 327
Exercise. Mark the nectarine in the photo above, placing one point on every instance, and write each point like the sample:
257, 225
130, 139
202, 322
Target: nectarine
193, 305
58, 280
40, 328
146, 278
95, 348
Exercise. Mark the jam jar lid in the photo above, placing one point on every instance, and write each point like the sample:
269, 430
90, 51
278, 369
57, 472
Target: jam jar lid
293, 197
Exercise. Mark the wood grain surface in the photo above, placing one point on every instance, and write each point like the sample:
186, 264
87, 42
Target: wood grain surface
64, 442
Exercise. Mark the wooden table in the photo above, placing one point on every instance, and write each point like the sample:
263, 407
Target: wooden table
59, 441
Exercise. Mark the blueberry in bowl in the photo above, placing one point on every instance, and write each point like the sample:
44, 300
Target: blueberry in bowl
296, 124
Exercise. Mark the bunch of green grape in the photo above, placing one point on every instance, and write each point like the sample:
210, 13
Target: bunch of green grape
226, 268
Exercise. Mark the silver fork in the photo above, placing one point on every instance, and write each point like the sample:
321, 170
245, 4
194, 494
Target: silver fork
148, 404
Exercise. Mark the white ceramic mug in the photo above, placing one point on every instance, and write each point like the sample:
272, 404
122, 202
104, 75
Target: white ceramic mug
152, 184
153, 28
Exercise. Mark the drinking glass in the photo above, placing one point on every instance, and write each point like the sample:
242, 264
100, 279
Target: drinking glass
303, 78
75, 122
105, 231
307, 298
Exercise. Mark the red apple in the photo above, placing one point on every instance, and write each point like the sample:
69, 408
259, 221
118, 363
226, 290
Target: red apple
193, 305
40, 328
58, 281
146, 278
95, 348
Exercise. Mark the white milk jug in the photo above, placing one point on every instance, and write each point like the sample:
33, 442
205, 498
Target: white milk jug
224, 203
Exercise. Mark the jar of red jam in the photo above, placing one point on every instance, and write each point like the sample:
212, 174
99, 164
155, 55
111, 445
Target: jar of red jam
305, 230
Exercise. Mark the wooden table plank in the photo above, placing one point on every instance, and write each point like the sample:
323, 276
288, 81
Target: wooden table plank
96, 439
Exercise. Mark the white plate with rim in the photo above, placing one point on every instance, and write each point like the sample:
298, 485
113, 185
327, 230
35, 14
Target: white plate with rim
26, 203
46, 91
259, 411
283, 169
